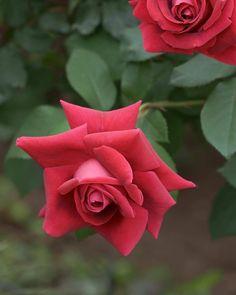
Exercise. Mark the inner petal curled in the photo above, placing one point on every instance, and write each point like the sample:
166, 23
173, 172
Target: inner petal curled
184, 10
96, 201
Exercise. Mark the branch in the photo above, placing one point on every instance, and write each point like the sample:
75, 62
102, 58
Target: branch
162, 105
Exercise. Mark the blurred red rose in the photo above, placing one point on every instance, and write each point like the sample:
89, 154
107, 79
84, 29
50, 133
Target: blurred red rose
104, 174
188, 26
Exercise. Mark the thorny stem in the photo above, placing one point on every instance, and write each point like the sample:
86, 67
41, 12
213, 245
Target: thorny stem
162, 105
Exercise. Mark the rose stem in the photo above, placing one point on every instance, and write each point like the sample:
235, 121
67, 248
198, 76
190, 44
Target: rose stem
161, 105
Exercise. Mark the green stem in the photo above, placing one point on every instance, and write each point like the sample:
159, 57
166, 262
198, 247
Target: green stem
162, 105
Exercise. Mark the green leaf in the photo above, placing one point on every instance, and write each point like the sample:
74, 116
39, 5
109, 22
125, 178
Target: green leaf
117, 16
72, 5
33, 40
89, 75
154, 126
104, 45
132, 46
175, 131
13, 72
15, 13
54, 22
84, 233
87, 17
161, 87
218, 118
5, 93
136, 80
223, 217
5, 132
25, 174
43, 121
200, 70
229, 170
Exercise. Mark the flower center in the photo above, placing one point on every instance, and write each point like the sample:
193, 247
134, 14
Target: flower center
184, 10
96, 201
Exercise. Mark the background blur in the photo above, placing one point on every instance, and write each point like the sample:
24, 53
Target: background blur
46, 47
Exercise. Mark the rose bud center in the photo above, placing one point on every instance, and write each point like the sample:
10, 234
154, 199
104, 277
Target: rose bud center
184, 11
96, 201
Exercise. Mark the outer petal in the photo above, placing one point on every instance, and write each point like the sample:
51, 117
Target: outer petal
153, 42
171, 180
61, 215
125, 233
42, 212
226, 40
56, 150
115, 163
98, 121
157, 200
228, 56
132, 144
133, 2
140, 11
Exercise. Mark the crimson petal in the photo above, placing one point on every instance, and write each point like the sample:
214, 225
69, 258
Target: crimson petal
171, 180
157, 199
56, 150
98, 121
61, 215
91, 218
124, 233
132, 144
121, 200
115, 163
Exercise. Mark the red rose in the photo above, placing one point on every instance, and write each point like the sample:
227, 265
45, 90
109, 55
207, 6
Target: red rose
103, 173
188, 26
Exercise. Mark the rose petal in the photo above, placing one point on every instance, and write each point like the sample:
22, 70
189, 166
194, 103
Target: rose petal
193, 40
121, 200
98, 121
153, 42
125, 233
42, 212
91, 218
135, 193
157, 199
98, 198
115, 163
140, 11
225, 40
56, 150
91, 171
217, 12
160, 12
68, 186
198, 39
132, 144
228, 56
171, 180
61, 215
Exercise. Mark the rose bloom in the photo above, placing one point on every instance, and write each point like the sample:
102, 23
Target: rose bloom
104, 174
188, 26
